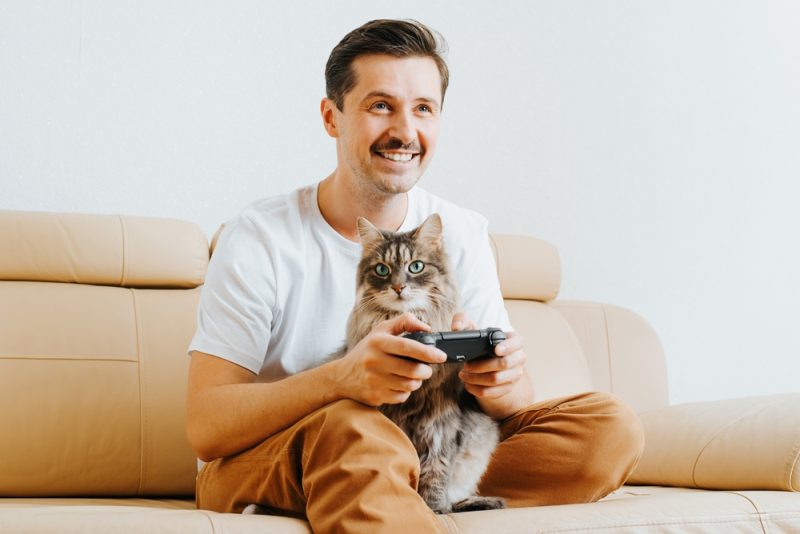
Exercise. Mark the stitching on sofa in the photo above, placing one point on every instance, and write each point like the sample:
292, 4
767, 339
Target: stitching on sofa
124, 273
612, 527
446, 521
142, 416
608, 349
73, 357
793, 462
721, 430
207, 515
755, 507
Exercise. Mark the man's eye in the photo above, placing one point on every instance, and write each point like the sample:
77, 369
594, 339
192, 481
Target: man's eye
425, 108
380, 106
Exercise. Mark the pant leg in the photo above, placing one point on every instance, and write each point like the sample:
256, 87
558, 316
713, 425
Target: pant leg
346, 467
570, 450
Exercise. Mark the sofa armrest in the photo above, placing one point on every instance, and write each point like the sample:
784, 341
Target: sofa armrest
747, 443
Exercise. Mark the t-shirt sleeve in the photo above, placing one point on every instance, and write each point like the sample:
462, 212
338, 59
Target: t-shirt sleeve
482, 299
235, 313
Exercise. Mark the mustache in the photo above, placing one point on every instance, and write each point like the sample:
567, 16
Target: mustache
396, 144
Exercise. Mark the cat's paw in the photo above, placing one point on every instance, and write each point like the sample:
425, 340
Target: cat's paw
471, 504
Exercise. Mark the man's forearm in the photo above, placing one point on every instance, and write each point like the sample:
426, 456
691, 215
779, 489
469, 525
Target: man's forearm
229, 418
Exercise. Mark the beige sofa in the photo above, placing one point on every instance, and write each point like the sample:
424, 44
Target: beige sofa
95, 316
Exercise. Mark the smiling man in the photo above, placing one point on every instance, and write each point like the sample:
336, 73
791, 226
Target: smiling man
284, 425
386, 125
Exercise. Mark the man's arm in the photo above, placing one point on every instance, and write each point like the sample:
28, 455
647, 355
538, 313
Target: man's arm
228, 411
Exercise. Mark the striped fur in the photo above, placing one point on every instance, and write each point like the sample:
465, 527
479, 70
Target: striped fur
453, 437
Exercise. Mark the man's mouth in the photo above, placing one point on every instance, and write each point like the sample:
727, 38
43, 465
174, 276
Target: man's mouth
395, 150
400, 157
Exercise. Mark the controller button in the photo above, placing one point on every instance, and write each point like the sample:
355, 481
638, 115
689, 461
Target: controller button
427, 340
497, 336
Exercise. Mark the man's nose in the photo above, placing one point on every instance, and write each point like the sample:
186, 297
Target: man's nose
403, 128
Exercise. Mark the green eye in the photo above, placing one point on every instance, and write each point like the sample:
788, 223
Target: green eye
416, 267
382, 269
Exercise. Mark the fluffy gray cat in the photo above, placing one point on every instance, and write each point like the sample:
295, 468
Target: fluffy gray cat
409, 272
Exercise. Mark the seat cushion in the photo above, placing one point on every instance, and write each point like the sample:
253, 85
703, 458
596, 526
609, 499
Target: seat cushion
630, 510
132, 516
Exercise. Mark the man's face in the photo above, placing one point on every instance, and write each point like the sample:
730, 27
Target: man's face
389, 126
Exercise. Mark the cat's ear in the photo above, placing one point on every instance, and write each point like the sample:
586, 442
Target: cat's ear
430, 230
369, 232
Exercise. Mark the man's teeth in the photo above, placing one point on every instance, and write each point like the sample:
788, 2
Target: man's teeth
394, 156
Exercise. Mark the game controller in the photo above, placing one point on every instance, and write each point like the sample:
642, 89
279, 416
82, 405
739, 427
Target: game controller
463, 345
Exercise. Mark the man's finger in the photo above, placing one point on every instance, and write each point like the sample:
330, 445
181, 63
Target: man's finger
498, 363
462, 322
512, 344
406, 322
408, 348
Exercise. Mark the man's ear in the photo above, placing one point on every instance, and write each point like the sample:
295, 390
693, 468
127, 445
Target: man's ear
328, 110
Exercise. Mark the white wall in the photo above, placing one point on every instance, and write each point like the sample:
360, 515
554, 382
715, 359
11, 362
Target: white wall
655, 143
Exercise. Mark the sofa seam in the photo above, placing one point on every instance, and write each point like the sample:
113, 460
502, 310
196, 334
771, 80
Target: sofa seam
719, 431
207, 515
448, 523
124, 273
137, 322
755, 507
608, 349
65, 357
793, 461
675, 522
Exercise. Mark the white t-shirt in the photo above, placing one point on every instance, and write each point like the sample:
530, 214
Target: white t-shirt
281, 281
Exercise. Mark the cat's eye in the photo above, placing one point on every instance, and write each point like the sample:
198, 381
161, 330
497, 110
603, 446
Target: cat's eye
416, 267
382, 269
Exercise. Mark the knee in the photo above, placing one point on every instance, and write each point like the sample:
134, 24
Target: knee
347, 422
617, 444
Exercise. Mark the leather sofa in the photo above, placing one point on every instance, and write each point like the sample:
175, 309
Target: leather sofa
96, 312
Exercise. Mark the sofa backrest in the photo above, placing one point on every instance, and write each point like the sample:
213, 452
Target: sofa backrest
576, 346
96, 313
95, 317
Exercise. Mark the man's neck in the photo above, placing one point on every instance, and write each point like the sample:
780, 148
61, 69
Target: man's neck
341, 204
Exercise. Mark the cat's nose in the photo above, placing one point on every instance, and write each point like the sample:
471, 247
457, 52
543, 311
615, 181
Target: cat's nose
398, 288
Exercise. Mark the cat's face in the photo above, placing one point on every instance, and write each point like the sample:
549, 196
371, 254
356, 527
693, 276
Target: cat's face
402, 272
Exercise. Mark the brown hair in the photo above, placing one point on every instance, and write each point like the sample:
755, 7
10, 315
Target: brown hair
398, 38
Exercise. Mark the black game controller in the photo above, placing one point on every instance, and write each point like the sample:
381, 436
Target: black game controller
464, 345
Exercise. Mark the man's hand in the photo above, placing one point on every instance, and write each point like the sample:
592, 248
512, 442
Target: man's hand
491, 378
384, 368
500, 384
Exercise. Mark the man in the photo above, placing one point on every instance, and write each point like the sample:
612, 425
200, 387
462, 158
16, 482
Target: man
288, 428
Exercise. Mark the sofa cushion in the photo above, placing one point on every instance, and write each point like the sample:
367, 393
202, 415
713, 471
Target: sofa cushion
555, 361
743, 443
112, 250
528, 268
92, 385
623, 352
639, 510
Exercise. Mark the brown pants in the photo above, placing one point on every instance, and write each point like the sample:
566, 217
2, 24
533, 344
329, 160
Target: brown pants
347, 468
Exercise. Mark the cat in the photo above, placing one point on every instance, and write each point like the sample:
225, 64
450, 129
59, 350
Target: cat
409, 272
